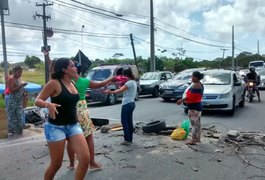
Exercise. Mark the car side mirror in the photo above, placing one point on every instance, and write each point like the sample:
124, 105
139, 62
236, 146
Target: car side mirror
237, 84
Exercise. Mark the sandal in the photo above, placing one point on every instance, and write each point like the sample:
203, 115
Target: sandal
71, 168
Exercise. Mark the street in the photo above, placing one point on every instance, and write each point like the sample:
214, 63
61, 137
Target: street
151, 156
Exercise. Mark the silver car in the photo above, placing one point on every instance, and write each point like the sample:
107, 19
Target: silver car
223, 90
261, 74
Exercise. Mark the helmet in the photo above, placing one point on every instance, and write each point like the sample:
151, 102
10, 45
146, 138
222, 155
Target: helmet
252, 69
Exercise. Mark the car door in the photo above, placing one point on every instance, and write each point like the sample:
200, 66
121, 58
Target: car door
237, 89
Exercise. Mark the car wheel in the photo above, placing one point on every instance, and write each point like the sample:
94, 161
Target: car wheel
242, 102
186, 110
156, 92
232, 111
111, 99
137, 95
154, 127
166, 99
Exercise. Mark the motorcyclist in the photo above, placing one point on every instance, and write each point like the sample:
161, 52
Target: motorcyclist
252, 76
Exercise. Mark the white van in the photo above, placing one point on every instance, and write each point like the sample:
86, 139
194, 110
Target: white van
256, 64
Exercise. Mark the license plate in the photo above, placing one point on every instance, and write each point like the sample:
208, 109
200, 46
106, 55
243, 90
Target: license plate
168, 92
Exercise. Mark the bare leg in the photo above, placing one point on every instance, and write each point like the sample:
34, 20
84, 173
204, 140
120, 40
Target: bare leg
56, 150
91, 146
79, 145
71, 155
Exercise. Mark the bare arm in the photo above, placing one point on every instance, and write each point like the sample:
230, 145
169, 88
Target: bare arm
118, 91
50, 89
95, 85
11, 85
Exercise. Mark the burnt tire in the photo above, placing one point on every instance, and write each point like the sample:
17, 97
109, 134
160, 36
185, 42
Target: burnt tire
99, 121
166, 131
154, 127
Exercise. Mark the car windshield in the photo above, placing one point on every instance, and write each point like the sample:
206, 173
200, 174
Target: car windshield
99, 74
150, 76
256, 64
217, 79
182, 77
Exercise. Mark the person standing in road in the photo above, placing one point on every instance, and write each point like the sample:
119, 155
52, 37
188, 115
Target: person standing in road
83, 116
128, 105
15, 100
62, 124
194, 103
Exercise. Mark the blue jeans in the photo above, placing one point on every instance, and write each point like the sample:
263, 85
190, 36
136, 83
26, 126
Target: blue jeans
127, 120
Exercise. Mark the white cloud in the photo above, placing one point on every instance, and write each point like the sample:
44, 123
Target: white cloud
247, 17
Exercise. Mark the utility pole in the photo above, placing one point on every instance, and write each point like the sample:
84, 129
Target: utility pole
152, 39
45, 44
233, 49
223, 49
134, 54
3, 7
258, 48
82, 35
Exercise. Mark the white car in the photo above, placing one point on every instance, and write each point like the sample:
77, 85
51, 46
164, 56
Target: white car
223, 90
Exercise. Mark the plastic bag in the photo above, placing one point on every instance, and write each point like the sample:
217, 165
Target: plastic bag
178, 134
186, 126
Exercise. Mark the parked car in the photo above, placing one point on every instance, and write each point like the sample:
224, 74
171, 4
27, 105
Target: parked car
175, 87
223, 90
101, 73
151, 81
261, 74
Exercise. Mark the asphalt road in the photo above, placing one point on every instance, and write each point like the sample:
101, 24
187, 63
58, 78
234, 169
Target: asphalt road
250, 118
150, 157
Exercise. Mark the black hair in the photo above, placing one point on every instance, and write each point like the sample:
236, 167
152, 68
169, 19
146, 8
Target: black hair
17, 68
60, 64
78, 67
128, 73
198, 75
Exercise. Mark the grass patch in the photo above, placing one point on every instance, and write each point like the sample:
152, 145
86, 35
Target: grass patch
34, 77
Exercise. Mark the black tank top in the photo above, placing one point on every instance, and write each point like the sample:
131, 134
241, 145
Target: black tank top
67, 110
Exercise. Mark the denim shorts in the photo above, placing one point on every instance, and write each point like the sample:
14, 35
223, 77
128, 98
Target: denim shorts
60, 132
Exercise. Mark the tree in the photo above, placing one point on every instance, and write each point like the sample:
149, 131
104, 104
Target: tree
32, 61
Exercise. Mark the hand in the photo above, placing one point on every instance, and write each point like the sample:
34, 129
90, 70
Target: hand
23, 84
46, 53
52, 107
179, 102
113, 79
108, 91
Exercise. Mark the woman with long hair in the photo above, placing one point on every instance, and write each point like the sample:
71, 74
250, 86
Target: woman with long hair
62, 124
83, 116
194, 103
128, 105
14, 105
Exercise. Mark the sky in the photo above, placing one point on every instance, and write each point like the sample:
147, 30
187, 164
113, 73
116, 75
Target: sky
101, 28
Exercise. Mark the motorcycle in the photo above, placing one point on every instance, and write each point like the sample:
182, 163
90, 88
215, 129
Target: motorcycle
250, 91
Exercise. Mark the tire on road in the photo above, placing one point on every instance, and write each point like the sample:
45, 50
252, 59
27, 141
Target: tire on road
167, 131
99, 121
154, 126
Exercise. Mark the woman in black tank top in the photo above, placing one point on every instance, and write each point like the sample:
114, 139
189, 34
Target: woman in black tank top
62, 124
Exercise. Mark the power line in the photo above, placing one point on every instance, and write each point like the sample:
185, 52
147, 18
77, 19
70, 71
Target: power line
187, 32
65, 31
101, 14
195, 41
